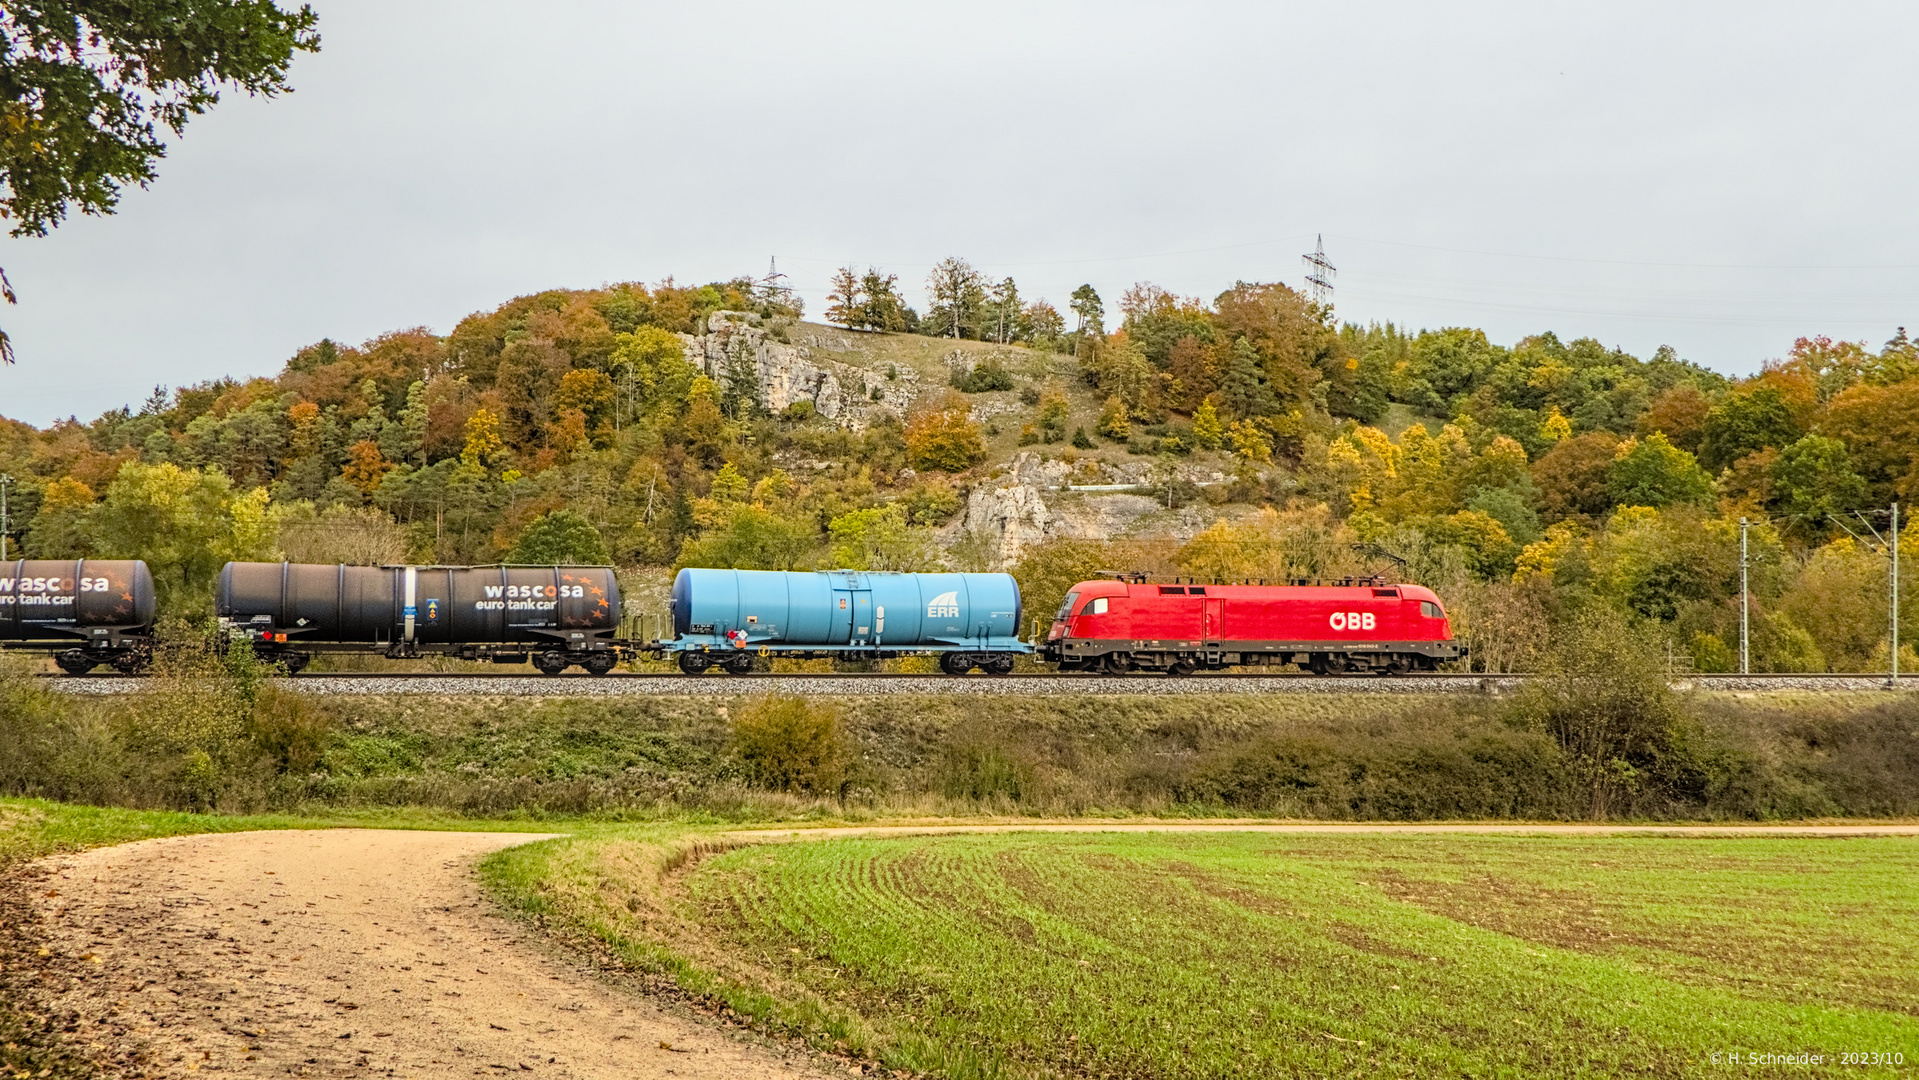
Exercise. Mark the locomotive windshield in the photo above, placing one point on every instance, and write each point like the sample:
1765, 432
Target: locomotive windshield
1066, 606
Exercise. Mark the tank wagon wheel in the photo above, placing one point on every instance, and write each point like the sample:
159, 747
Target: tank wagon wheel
956, 663
600, 663
999, 665
740, 664
294, 662
695, 663
551, 663
74, 662
132, 662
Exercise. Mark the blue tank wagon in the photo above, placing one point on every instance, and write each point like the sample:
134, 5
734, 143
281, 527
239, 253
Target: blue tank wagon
724, 618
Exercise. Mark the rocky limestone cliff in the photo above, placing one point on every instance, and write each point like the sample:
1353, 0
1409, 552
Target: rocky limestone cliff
1032, 499
786, 373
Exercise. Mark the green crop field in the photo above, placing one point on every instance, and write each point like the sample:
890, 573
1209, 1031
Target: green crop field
1213, 955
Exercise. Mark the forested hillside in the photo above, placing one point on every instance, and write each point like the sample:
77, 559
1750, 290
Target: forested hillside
1249, 436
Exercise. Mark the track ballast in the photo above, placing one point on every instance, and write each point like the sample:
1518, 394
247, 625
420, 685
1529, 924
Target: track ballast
630, 684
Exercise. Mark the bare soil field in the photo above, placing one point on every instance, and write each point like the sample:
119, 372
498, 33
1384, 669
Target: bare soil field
348, 952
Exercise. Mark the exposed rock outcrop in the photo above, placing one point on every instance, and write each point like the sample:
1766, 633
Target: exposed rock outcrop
734, 341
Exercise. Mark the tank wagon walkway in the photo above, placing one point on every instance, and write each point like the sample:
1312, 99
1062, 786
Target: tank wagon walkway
352, 952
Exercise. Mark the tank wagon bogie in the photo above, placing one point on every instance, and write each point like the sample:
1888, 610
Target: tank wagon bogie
555, 616
727, 618
1117, 626
86, 612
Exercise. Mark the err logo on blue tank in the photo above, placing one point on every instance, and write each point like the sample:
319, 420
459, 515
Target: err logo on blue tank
944, 606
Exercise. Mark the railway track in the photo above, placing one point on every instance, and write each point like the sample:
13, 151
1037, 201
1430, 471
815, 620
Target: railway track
651, 684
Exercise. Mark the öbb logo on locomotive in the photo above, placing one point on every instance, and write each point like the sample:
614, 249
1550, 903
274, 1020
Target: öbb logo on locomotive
99, 612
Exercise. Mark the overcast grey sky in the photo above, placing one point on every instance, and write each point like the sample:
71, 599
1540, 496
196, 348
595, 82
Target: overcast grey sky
1720, 177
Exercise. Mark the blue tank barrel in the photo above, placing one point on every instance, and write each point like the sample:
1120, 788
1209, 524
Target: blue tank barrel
846, 609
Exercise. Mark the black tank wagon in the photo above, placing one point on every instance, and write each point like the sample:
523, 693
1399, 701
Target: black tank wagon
85, 611
556, 616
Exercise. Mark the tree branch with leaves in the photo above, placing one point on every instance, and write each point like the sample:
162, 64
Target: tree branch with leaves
87, 85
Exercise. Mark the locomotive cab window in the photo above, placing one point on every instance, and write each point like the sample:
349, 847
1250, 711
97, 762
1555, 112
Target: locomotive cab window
1430, 610
1066, 605
1096, 607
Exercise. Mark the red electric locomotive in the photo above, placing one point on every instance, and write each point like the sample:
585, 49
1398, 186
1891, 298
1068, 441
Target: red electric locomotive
1118, 626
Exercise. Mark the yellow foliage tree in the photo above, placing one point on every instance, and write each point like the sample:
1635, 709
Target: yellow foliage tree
365, 466
483, 443
1208, 432
945, 438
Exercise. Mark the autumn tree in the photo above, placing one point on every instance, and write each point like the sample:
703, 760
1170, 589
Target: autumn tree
1812, 479
1572, 477
365, 466
1207, 429
1003, 312
1044, 325
1654, 472
1745, 422
882, 307
1090, 312
958, 296
845, 302
945, 437
590, 396
186, 524
559, 538
1680, 412
878, 539
1880, 427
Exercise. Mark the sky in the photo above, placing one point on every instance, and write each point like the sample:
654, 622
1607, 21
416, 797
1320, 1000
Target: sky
1718, 177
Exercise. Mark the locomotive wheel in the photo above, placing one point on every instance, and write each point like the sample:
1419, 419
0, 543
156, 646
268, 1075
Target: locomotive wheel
695, 663
74, 662
1182, 667
956, 663
600, 663
740, 664
1118, 663
1400, 664
551, 663
999, 665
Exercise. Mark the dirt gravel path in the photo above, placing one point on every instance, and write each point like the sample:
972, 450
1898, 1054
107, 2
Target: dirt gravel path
350, 952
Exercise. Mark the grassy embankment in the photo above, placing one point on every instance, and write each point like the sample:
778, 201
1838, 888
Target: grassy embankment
225, 744
1163, 955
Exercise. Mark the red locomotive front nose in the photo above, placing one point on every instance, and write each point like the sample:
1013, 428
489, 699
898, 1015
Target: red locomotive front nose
1058, 631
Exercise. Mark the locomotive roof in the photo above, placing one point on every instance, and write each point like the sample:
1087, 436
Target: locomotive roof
1112, 587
